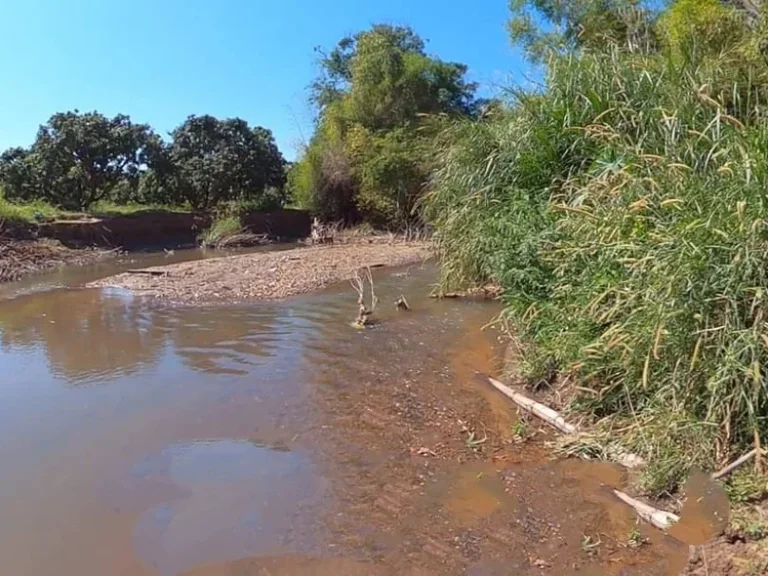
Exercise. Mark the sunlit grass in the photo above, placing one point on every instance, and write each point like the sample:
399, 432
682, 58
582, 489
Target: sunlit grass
30, 212
110, 208
623, 210
221, 229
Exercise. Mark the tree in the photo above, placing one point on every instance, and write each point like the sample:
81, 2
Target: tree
542, 26
18, 175
375, 94
78, 159
81, 157
386, 78
218, 160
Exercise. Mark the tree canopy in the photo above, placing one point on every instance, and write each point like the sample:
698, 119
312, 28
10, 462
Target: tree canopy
541, 26
375, 94
78, 159
218, 160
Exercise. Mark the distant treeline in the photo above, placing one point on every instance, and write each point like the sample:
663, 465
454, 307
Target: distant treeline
78, 159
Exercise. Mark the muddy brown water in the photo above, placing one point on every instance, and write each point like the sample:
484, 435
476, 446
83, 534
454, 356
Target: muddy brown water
274, 438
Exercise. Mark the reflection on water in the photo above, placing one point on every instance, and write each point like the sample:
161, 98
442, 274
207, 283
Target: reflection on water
90, 336
103, 400
224, 505
85, 334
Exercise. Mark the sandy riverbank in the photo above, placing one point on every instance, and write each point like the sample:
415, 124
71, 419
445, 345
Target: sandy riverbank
267, 275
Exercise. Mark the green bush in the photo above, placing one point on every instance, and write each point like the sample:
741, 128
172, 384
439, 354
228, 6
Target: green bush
223, 227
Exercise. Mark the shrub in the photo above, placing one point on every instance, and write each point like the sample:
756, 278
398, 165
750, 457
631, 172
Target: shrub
221, 229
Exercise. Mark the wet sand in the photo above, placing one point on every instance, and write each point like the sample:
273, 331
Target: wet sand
263, 276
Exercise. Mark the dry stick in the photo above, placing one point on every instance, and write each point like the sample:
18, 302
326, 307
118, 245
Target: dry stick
358, 283
552, 417
148, 272
734, 465
658, 518
758, 453
544, 412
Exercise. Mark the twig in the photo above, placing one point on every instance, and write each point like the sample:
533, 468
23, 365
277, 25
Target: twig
758, 453
658, 518
734, 465
546, 413
148, 272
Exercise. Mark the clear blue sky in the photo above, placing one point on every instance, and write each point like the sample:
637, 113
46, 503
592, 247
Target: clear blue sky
162, 60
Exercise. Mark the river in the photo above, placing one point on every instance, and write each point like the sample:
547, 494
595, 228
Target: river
275, 438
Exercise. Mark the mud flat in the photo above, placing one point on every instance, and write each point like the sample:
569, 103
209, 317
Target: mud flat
263, 276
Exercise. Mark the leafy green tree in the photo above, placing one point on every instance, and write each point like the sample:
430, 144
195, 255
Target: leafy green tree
374, 96
543, 26
78, 159
385, 78
213, 161
18, 175
81, 157
157, 183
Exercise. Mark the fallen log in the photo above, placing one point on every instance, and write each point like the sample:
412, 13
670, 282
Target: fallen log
658, 518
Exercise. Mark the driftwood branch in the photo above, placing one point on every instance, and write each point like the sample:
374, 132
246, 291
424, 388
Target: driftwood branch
550, 416
553, 418
358, 283
402, 304
658, 518
736, 464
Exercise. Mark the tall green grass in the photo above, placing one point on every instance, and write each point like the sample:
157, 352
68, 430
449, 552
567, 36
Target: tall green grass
27, 212
223, 227
624, 209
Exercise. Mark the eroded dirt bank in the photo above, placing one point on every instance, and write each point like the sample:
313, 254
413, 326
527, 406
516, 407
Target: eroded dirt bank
264, 276
155, 229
